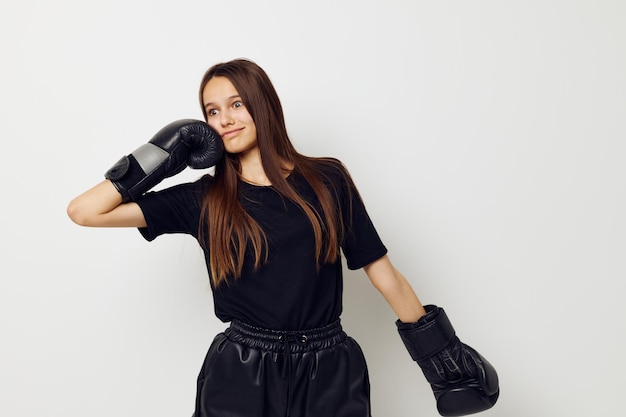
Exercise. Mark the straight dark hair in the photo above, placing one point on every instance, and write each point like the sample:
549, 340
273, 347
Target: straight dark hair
226, 229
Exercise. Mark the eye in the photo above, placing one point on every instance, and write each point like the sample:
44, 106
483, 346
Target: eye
211, 112
237, 104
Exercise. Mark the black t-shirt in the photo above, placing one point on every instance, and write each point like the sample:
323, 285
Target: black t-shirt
288, 292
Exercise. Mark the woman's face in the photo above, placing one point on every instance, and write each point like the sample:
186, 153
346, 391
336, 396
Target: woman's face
227, 114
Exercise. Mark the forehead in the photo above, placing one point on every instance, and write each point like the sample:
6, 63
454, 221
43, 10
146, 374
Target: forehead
218, 89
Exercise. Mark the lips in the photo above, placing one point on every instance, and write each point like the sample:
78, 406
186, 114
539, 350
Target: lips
231, 133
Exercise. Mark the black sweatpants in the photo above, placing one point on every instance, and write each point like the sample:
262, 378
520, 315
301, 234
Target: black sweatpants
253, 372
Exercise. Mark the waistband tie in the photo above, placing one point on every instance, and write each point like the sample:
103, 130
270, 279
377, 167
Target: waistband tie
289, 337
281, 341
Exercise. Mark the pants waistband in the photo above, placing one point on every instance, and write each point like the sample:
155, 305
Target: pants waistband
294, 341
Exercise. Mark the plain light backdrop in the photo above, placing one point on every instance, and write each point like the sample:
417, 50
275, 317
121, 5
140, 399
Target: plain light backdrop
486, 137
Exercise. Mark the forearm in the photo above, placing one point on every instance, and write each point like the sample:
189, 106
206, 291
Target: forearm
180, 143
470, 383
396, 290
101, 206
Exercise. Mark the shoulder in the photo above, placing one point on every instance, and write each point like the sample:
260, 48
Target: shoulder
204, 183
338, 175
334, 175
331, 168
187, 193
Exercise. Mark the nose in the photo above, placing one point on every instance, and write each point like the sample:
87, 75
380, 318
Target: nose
226, 118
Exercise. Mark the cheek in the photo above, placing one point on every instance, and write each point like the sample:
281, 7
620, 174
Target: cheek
246, 117
251, 124
213, 124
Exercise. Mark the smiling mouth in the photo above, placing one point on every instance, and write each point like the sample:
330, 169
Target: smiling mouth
230, 133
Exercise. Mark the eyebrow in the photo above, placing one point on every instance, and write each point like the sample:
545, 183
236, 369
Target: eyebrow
228, 99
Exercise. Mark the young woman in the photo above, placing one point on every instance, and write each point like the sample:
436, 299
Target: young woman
274, 225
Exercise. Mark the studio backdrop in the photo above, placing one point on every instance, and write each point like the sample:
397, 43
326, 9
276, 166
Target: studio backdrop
487, 139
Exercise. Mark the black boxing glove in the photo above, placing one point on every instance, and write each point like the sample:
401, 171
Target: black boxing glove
180, 144
461, 379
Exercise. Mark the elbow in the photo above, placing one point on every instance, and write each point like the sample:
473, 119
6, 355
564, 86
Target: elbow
388, 287
77, 215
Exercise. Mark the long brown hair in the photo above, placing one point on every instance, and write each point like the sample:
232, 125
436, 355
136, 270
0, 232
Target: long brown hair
226, 229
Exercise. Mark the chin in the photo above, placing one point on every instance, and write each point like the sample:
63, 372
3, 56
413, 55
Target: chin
239, 149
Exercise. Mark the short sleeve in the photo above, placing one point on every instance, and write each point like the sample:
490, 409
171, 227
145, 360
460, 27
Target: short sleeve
172, 210
361, 244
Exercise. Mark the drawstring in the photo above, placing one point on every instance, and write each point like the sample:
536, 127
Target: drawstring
287, 339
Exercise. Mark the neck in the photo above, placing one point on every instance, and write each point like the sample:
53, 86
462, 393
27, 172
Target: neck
252, 171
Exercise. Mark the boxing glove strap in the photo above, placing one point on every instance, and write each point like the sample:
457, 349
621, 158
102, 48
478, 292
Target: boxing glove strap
430, 334
149, 157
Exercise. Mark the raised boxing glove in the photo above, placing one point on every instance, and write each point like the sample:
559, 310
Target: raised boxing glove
462, 380
180, 144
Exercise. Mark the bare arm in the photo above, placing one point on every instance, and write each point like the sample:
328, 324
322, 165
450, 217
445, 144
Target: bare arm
166, 154
395, 289
101, 206
470, 383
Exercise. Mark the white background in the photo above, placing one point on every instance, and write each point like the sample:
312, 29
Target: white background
486, 137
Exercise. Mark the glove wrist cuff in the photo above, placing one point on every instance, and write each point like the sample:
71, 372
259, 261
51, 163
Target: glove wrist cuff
429, 335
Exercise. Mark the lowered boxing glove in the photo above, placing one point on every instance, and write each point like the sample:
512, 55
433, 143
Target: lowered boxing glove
180, 144
461, 379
